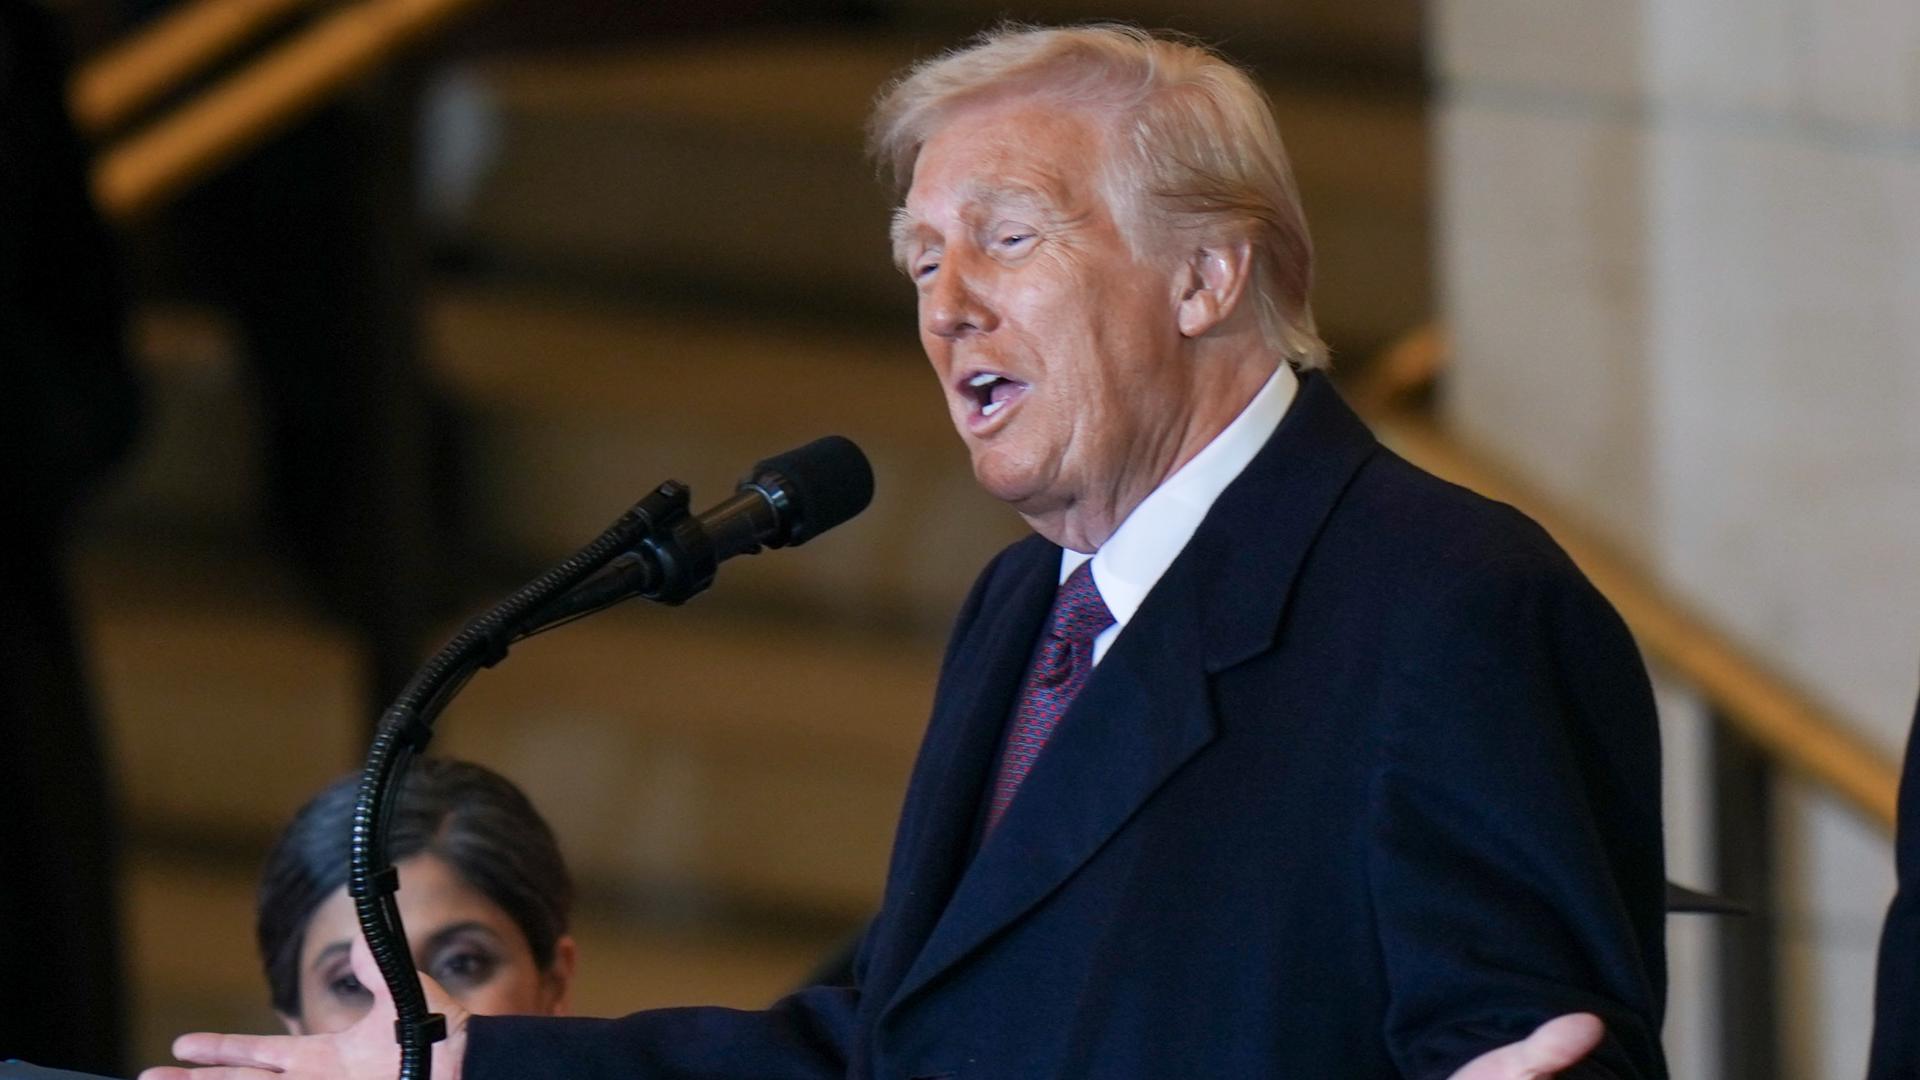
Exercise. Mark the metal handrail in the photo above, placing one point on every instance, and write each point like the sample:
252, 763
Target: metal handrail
143, 171
1787, 722
113, 88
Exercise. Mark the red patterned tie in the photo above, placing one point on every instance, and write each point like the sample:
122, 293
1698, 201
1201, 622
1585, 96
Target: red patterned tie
1060, 668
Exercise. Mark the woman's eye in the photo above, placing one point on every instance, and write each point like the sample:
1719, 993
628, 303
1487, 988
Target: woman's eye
347, 986
464, 967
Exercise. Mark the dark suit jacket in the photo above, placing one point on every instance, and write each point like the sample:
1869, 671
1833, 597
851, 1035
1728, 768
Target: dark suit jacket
1368, 786
1896, 1007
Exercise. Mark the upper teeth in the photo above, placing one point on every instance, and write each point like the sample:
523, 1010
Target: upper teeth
985, 378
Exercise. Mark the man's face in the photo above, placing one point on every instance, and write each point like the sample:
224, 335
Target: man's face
1057, 347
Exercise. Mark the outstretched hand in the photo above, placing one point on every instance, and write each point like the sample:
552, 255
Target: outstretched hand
365, 1051
1555, 1045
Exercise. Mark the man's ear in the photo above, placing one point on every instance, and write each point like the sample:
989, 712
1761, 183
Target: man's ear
559, 977
1214, 279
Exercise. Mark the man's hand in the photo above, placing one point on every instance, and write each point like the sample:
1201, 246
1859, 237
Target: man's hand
365, 1051
1554, 1045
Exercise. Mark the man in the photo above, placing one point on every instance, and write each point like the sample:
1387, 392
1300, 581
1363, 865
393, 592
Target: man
1896, 1020
1269, 755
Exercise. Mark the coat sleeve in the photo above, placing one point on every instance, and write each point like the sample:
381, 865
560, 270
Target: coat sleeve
805, 1036
809, 1035
1896, 1005
1516, 868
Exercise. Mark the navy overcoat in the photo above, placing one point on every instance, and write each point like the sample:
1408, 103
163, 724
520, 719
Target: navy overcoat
1368, 786
1896, 1019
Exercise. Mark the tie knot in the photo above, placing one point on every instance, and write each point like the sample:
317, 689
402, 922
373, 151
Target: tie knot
1079, 614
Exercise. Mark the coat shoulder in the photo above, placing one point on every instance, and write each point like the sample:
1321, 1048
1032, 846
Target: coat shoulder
1432, 526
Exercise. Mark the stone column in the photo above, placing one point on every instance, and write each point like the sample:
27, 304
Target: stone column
1680, 255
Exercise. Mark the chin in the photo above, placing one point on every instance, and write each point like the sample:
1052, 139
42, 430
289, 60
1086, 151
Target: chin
1010, 482
1016, 483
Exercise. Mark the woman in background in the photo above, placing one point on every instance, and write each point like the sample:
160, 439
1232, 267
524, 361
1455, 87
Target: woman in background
484, 894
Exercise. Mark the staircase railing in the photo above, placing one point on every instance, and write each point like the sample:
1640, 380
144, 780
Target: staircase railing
211, 81
116, 86
139, 173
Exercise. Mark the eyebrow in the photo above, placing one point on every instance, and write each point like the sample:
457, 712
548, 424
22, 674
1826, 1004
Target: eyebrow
978, 196
446, 934
325, 955
901, 231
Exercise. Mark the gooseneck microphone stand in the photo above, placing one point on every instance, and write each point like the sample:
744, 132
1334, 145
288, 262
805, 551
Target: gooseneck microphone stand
679, 564
657, 550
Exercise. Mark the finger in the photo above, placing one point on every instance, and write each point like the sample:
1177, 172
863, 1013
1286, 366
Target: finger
177, 1073
1553, 1046
1559, 1043
267, 1052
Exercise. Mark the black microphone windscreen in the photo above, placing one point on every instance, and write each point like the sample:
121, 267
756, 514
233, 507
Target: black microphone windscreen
826, 482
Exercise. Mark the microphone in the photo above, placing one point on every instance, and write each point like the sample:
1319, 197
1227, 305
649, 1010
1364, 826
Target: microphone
783, 501
657, 550
791, 498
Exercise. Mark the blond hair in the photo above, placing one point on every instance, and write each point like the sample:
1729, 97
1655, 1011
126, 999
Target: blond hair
1195, 140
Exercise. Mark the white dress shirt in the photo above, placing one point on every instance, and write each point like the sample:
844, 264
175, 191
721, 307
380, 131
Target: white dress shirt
1140, 550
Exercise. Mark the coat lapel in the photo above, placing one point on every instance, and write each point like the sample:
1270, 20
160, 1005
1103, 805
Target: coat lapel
974, 698
1142, 714
1146, 710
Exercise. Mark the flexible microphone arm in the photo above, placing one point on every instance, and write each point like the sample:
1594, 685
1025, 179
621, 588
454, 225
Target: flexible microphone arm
407, 727
657, 550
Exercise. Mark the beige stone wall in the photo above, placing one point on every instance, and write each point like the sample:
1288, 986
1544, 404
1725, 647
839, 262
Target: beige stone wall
1681, 258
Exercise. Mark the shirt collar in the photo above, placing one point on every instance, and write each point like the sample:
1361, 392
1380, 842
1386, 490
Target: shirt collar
1128, 565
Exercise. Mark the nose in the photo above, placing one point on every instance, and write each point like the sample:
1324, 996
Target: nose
953, 307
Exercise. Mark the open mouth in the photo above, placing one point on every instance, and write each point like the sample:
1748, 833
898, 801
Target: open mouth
992, 392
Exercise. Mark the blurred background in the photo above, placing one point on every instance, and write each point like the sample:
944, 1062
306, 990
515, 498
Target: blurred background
417, 295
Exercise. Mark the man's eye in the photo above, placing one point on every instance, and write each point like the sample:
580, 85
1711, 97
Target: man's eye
924, 269
1013, 240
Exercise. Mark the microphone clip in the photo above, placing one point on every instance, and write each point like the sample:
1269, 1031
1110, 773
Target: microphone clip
680, 551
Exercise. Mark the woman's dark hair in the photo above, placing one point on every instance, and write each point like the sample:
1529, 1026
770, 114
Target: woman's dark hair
474, 819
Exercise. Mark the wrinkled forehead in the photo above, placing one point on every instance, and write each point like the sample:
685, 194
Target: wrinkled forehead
1022, 155
978, 195
1013, 144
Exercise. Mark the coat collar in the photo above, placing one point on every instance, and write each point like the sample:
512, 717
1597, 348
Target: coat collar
1247, 554
1142, 715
